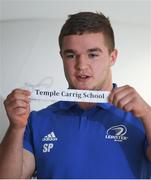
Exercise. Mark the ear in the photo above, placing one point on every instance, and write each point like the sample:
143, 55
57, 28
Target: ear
113, 57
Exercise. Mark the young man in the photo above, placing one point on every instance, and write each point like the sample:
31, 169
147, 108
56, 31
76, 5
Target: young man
80, 140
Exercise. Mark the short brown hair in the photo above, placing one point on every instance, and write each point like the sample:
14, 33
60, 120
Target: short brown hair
88, 22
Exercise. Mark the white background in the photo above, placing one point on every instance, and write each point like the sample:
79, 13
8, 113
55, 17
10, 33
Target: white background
29, 44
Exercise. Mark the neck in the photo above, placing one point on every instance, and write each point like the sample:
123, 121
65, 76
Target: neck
85, 105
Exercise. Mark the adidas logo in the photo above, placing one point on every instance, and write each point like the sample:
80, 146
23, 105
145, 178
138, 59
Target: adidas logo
50, 137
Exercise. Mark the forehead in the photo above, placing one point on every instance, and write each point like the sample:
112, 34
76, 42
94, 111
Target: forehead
83, 41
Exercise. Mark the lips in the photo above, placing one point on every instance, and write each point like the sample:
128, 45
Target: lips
83, 77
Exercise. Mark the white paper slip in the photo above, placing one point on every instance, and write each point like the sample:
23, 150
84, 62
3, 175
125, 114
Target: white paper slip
69, 95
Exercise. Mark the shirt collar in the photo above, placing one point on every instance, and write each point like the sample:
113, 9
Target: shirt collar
64, 105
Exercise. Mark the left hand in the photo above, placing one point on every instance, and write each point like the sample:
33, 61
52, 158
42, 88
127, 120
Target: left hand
128, 99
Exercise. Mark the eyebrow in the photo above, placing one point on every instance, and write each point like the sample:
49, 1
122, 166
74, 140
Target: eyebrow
69, 51
96, 49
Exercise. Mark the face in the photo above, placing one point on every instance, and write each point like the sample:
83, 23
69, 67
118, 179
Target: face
87, 61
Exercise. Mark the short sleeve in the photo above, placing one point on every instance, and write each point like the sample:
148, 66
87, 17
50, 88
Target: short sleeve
28, 138
146, 164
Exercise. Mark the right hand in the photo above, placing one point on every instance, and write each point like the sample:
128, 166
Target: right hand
17, 105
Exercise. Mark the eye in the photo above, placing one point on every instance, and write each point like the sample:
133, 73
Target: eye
70, 56
93, 55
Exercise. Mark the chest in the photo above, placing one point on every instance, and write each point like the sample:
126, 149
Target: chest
88, 143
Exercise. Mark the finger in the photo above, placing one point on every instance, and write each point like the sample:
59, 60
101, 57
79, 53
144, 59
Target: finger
113, 92
14, 99
122, 97
21, 91
17, 95
116, 90
21, 111
18, 92
123, 101
18, 104
129, 106
119, 93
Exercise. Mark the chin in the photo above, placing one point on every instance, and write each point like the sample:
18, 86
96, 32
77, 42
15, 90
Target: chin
84, 88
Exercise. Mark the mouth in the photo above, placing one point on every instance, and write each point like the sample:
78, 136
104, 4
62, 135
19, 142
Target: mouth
83, 77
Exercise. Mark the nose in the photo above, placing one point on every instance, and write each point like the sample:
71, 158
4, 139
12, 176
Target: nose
82, 62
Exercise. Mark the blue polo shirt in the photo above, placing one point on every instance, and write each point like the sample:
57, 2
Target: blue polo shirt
102, 142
